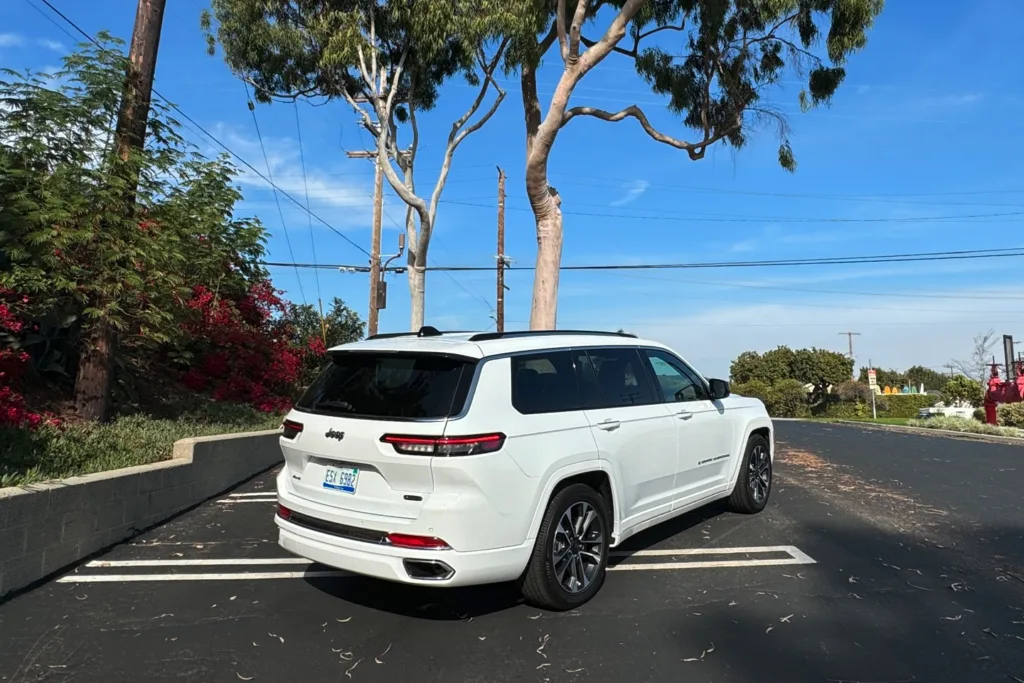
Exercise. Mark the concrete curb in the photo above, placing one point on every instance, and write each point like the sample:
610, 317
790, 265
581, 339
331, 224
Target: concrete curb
991, 438
47, 527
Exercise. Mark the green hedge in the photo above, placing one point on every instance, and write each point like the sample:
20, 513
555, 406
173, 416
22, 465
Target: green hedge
1011, 415
892, 405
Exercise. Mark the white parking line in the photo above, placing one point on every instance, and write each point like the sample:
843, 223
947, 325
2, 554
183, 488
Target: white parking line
247, 500
259, 494
796, 557
198, 563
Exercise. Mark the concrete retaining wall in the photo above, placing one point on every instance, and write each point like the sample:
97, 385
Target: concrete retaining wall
47, 527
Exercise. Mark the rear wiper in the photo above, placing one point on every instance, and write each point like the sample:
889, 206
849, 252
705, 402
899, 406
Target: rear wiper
341, 405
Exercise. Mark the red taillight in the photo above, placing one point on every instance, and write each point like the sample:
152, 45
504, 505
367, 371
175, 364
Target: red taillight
417, 542
291, 429
445, 445
283, 512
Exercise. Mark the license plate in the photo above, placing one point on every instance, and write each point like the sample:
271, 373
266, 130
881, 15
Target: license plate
341, 479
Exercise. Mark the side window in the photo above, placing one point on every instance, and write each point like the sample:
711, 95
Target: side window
544, 383
613, 377
674, 379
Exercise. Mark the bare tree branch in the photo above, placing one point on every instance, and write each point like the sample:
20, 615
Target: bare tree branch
574, 31
635, 51
460, 131
694, 149
563, 41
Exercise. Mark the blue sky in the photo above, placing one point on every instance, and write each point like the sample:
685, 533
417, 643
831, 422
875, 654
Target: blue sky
926, 125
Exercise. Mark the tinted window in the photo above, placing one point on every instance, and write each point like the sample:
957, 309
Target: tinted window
675, 380
390, 386
618, 376
544, 383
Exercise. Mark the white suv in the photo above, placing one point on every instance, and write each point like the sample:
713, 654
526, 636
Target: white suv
452, 459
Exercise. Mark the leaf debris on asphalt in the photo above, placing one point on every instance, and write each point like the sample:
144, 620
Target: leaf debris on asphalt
352, 668
543, 664
572, 671
768, 630
704, 653
244, 678
543, 641
378, 657
344, 621
537, 616
274, 635
785, 619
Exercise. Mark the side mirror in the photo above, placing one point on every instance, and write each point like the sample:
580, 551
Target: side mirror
719, 389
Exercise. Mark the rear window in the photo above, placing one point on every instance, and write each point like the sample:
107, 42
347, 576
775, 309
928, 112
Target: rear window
390, 386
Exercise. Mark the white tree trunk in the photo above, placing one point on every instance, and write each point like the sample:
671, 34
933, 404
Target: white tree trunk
544, 311
417, 296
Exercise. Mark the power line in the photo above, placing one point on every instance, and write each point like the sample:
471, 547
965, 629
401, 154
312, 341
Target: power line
691, 217
270, 175
839, 260
209, 135
305, 187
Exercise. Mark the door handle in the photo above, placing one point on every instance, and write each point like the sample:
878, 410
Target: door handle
608, 425
684, 414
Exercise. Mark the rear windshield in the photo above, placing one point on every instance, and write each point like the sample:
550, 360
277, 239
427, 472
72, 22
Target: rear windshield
390, 386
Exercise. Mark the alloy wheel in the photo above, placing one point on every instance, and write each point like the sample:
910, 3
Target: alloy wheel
578, 547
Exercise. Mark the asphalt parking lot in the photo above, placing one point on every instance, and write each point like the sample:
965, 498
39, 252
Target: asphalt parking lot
882, 558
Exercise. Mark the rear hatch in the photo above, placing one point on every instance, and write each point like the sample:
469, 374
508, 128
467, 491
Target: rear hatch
333, 438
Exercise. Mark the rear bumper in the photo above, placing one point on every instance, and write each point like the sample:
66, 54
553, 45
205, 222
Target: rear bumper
386, 562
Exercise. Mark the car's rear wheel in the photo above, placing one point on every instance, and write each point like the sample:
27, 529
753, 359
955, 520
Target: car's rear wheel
568, 563
754, 481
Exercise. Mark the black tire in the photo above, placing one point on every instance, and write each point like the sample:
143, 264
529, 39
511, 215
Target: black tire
745, 498
540, 583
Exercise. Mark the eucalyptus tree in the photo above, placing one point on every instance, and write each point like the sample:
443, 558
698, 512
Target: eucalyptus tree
388, 60
724, 55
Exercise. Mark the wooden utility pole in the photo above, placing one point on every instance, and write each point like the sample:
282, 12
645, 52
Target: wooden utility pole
500, 312
96, 365
373, 317
850, 336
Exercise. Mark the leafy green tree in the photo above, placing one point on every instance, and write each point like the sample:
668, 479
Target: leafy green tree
95, 282
340, 325
932, 380
387, 60
821, 368
771, 367
885, 378
788, 398
734, 50
964, 389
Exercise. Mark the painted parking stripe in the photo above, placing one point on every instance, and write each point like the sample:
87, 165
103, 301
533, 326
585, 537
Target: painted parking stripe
240, 561
247, 500
259, 494
796, 557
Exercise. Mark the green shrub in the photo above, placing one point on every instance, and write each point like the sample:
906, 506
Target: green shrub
788, 398
979, 414
1011, 415
962, 388
903, 405
845, 410
853, 391
755, 388
963, 424
57, 453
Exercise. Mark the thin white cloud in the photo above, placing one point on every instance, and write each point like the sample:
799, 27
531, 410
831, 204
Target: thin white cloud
952, 100
11, 40
635, 189
744, 246
54, 45
342, 201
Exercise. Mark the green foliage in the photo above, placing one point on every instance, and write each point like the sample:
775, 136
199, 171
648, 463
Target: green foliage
902, 405
71, 242
735, 49
853, 391
788, 398
818, 367
932, 380
324, 48
846, 410
1011, 415
57, 453
979, 414
961, 388
885, 378
963, 424
785, 398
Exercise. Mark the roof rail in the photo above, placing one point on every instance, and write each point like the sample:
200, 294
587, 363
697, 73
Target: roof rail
425, 331
488, 336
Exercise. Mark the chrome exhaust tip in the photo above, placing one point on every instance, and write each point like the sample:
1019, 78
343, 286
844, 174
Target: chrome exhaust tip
428, 570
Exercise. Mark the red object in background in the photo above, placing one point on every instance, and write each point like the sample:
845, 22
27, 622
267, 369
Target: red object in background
1003, 391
